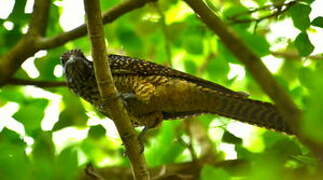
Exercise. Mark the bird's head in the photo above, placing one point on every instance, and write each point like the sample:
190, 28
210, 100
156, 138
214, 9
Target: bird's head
76, 64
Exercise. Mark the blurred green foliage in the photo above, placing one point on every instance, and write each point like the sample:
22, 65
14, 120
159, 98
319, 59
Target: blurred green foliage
39, 153
318, 21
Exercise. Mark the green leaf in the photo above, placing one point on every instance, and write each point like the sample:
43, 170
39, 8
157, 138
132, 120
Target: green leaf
318, 22
260, 2
11, 93
289, 69
53, 27
31, 113
218, 68
252, 86
237, 12
46, 64
96, 132
129, 39
312, 124
20, 19
44, 146
175, 30
165, 141
205, 119
210, 172
305, 76
190, 66
230, 138
158, 51
283, 150
226, 53
66, 164
74, 112
192, 37
9, 38
257, 43
270, 138
303, 44
43, 156
307, 1
105, 5
193, 44
300, 16
236, 9
188, 35
244, 153
18, 15
14, 163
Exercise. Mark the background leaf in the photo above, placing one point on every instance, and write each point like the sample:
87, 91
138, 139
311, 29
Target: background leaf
214, 173
318, 21
301, 22
303, 44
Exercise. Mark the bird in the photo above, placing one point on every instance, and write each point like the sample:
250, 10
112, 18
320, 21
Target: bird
153, 93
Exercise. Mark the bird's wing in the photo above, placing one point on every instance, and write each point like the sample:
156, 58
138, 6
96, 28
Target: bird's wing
127, 65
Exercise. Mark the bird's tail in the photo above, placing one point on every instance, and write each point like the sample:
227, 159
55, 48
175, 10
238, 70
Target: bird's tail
251, 111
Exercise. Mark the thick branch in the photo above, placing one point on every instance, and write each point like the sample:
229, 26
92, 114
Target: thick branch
41, 84
111, 104
39, 19
107, 17
27, 46
259, 71
32, 42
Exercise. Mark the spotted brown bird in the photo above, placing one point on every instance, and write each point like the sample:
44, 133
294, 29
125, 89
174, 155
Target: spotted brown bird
153, 93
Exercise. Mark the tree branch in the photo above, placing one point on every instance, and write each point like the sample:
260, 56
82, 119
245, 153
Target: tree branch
107, 17
39, 19
259, 71
33, 42
111, 104
194, 127
41, 84
27, 46
294, 55
186, 170
279, 8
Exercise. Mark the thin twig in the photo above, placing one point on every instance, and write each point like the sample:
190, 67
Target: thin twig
205, 63
198, 132
188, 145
295, 55
190, 170
111, 104
278, 10
41, 84
91, 173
